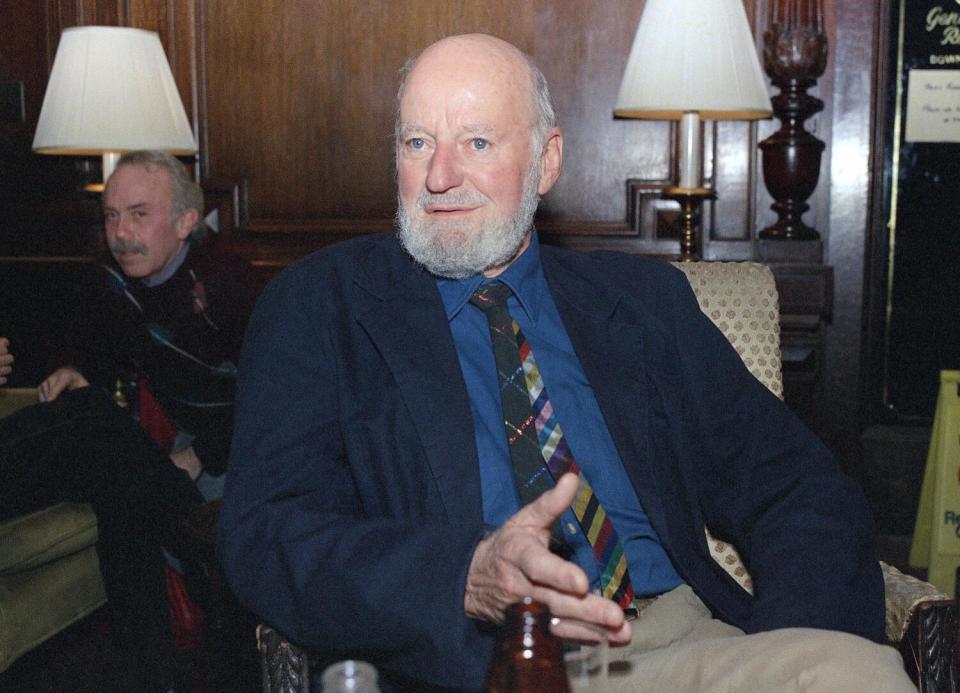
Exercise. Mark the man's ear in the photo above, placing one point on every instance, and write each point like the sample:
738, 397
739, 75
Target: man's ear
551, 161
186, 222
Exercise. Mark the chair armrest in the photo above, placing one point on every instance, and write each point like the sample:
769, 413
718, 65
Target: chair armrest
13, 398
285, 667
921, 622
903, 594
929, 645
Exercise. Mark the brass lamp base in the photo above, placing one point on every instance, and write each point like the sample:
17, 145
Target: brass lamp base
691, 206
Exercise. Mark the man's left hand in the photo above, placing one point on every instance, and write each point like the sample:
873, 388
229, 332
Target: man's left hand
61, 380
515, 562
188, 461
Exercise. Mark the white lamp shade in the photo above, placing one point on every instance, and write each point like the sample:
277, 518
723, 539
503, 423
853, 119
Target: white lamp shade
111, 90
693, 56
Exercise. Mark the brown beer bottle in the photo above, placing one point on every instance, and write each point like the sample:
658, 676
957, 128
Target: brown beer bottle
528, 657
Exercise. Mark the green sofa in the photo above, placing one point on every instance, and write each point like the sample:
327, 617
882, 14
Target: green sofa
49, 572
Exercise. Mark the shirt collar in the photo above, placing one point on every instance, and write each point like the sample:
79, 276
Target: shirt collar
170, 269
524, 276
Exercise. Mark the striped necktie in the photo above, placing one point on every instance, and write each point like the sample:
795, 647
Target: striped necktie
538, 450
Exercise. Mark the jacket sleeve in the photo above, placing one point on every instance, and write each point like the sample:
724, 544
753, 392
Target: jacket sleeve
298, 546
772, 489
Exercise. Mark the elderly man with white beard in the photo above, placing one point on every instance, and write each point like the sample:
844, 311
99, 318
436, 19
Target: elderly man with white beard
435, 424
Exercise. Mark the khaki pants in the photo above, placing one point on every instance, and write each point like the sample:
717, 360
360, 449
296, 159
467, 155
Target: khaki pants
678, 648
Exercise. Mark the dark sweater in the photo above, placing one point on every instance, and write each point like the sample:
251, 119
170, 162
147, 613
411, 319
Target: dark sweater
183, 336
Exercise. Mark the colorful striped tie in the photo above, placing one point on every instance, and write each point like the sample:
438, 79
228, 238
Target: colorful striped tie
538, 450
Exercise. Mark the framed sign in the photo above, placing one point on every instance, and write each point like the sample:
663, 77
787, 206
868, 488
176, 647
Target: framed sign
919, 247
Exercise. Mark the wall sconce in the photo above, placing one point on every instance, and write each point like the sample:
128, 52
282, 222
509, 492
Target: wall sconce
110, 91
692, 60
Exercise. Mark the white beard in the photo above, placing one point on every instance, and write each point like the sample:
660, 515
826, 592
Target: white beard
459, 249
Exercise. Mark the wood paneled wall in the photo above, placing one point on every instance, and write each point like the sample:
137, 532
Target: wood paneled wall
300, 100
297, 98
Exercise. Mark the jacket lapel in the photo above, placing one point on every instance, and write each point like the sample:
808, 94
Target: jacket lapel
401, 310
611, 351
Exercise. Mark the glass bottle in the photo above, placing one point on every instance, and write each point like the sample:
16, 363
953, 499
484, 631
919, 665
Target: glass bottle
528, 656
350, 676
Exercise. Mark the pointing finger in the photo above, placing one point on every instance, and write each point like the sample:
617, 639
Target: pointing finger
542, 512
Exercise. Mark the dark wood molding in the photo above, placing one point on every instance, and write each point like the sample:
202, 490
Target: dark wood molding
297, 100
229, 199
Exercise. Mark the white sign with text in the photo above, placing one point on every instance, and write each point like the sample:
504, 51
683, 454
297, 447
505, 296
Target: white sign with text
933, 106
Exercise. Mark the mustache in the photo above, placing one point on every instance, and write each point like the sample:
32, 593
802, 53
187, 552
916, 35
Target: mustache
121, 246
462, 197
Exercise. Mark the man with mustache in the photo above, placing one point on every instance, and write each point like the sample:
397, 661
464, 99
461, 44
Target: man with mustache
159, 334
381, 502
168, 315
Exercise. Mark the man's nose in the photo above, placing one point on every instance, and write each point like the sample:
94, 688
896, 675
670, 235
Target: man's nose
445, 171
122, 227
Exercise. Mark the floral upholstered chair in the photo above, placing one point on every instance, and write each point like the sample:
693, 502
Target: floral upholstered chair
741, 300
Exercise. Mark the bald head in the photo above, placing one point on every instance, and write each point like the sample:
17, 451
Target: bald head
459, 57
475, 150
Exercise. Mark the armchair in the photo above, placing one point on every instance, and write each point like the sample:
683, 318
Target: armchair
49, 571
741, 299
921, 622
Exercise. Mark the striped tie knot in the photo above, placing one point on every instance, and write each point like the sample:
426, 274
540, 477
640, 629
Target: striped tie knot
488, 296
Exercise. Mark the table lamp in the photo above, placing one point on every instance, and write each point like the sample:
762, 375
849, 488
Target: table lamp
110, 91
692, 60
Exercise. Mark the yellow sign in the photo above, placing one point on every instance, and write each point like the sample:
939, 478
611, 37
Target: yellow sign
936, 535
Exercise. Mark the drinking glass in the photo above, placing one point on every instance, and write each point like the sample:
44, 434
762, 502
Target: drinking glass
585, 653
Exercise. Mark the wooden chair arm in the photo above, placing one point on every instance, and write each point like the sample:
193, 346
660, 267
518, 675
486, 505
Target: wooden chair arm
285, 668
929, 647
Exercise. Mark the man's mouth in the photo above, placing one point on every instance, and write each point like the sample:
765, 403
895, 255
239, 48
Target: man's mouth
450, 204
447, 210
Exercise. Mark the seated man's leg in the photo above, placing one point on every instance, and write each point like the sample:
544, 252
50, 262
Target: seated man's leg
32, 458
678, 647
81, 447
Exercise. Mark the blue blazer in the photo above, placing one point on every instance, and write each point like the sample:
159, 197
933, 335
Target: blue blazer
352, 506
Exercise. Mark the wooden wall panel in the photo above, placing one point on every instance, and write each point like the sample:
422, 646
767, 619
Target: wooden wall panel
62, 14
297, 97
302, 100
176, 23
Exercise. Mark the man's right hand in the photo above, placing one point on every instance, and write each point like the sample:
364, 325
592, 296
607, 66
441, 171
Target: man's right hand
515, 562
6, 359
59, 381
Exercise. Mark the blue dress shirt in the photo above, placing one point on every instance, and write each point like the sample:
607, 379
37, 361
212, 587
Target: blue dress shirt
575, 407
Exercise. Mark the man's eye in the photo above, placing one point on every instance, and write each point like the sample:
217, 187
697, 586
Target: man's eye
139, 215
416, 143
479, 143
